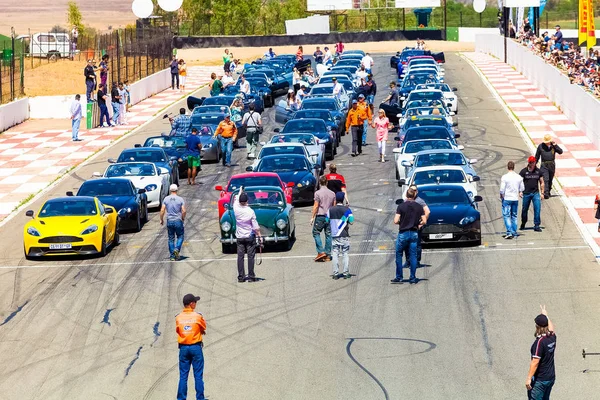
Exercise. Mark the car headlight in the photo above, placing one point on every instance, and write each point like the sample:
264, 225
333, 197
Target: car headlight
471, 195
150, 188
90, 229
208, 146
305, 182
467, 221
33, 232
281, 223
124, 211
226, 226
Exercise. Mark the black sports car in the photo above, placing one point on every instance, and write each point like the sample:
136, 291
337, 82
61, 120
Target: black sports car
317, 127
295, 169
174, 146
131, 203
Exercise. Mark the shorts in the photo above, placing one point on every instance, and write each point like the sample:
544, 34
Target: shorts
193, 161
182, 79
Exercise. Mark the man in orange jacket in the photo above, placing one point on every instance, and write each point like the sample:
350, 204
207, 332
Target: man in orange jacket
354, 125
190, 328
367, 116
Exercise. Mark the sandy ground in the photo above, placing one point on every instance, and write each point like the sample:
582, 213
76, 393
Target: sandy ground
213, 56
63, 77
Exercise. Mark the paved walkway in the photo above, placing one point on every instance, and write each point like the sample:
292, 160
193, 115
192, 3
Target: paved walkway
576, 167
30, 161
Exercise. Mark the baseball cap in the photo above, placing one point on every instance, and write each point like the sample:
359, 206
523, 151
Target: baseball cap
541, 320
173, 188
340, 196
354, 101
361, 96
334, 79
531, 159
243, 198
190, 298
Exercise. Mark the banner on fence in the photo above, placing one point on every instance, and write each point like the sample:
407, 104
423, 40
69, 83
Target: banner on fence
587, 27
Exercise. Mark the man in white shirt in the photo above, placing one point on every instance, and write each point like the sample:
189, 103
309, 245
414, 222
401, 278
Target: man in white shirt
76, 115
327, 59
367, 61
244, 85
337, 87
362, 73
511, 189
227, 79
246, 231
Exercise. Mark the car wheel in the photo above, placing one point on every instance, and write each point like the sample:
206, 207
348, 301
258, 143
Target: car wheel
145, 218
478, 242
138, 225
27, 257
397, 174
116, 239
103, 248
227, 248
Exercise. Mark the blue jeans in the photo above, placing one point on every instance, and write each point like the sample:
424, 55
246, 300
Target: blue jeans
75, 125
540, 390
318, 227
227, 149
116, 112
407, 240
104, 113
370, 98
191, 356
510, 208
364, 135
419, 251
537, 206
175, 228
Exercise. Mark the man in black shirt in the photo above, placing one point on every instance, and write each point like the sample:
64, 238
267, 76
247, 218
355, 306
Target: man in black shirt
102, 97
532, 179
318, 55
410, 216
547, 151
393, 97
90, 80
541, 376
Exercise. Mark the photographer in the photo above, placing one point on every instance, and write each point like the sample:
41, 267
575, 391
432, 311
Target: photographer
247, 231
253, 123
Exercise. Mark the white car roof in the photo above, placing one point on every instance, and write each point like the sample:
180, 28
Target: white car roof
287, 144
439, 167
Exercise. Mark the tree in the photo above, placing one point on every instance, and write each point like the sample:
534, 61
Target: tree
74, 17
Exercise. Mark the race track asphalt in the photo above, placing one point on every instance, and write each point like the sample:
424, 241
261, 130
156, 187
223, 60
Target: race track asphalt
103, 328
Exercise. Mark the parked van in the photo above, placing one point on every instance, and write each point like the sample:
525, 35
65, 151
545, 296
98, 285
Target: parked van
48, 45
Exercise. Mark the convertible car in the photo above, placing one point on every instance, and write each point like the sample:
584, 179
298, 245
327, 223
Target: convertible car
154, 155
227, 100
274, 215
70, 226
130, 202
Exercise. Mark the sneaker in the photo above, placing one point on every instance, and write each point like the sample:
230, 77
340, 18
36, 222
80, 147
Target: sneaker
176, 254
251, 279
509, 236
546, 196
172, 258
413, 281
537, 228
346, 275
241, 280
328, 258
522, 226
320, 256
228, 165
396, 280
336, 276
353, 154
105, 125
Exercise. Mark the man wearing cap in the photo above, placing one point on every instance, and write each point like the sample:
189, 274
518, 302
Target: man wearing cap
533, 185
367, 117
541, 376
339, 218
174, 207
511, 190
193, 146
90, 80
246, 232
228, 133
190, 326
546, 151
354, 124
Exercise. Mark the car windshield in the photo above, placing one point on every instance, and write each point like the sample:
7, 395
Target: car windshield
443, 196
304, 125
322, 90
207, 119
416, 111
416, 134
441, 158
414, 80
248, 181
67, 208
211, 109
423, 61
439, 176
421, 145
282, 164
294, 138
218, 101
130, 169
409, 53
142, 155
425, 95
166, 142
257, 82
277, 150
324, 104
263, 198
105, 188
318, 114
435, 121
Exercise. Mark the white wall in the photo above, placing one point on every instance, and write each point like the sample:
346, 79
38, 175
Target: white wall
578, 105
13, 113
150, 85
53, 107
468, 34
314, 24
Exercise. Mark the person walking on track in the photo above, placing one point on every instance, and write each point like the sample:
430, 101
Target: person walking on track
547, 151
174, 72
253, 123
174, 208
324, 200
246, 232
410, 217
426, 214
541, 376
190, 326
336, 182
382, 125
194, 147
511, 190
533, 186
228, 133
367, 116
354, 124
339, 218
76, 115
182, 74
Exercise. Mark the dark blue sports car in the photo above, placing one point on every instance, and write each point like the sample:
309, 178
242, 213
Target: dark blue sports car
131, 203
335, 124
318, 128
401, 58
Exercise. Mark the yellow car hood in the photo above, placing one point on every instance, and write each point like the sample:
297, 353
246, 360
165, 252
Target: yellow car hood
72, 226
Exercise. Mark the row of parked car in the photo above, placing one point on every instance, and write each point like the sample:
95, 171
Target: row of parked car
428, 153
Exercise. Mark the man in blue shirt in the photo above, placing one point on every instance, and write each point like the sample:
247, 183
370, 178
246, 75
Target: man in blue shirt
558, 37
193, 146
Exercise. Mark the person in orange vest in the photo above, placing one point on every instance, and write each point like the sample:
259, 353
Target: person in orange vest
190, 326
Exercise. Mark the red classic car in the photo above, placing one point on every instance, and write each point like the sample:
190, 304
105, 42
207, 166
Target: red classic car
249, 179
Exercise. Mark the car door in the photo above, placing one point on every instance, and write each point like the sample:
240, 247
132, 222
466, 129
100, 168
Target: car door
106, 221
282, 113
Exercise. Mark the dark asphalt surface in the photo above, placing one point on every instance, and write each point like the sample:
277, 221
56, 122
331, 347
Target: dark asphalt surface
104, 328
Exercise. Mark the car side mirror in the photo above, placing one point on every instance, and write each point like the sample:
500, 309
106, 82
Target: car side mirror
454, 124
402, 182
141, 191
111, 161
163, 171
262, 143
475, 178
249, 169
29, 213
276, 130
406, 163
397, 138
173, 158
460, 147
472, 161
290, 184
314, 154
219, 188
477, 199
452, 113
402, 98
70, 194
455, 89
109, 210
137, 145
456, 136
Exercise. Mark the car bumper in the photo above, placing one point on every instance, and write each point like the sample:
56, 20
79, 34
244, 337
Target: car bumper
153, 198
449, 233
209, 154
128, 221
85, 246
267, 239
305, 194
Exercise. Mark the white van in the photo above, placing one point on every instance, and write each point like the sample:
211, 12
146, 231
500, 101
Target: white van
48, 45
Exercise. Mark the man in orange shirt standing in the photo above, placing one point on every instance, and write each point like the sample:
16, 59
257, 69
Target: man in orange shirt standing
228, 132
354, 124
190, 328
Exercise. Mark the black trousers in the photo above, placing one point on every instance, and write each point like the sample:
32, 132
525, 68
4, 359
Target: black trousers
357, 132
174, 78
246, 246
548, 169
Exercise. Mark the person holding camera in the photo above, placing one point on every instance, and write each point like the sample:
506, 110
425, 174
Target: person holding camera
253, 123
247, 231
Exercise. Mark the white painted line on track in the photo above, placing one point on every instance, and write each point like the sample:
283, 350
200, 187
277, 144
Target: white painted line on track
285, 257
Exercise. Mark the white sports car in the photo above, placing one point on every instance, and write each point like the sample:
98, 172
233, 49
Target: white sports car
407, 151
144, 175
442, 174
449, 94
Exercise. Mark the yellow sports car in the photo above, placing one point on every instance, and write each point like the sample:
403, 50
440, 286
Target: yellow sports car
70, 226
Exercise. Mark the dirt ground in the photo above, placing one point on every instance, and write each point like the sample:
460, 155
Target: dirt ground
213, 56
62, 77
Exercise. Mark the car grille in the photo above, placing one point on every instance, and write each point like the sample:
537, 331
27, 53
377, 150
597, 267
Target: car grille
264, 231
442, 228
61, 239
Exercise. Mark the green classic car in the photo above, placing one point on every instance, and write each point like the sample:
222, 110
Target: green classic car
274, 215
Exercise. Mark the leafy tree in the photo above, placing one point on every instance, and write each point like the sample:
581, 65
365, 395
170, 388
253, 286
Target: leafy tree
74, 17
58, 29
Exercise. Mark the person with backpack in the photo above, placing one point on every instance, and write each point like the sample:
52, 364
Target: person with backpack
252, 121
339, 218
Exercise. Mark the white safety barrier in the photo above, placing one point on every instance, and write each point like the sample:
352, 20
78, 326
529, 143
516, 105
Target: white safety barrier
578, 105
150, 86
469, 34
53, 107
13, 113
